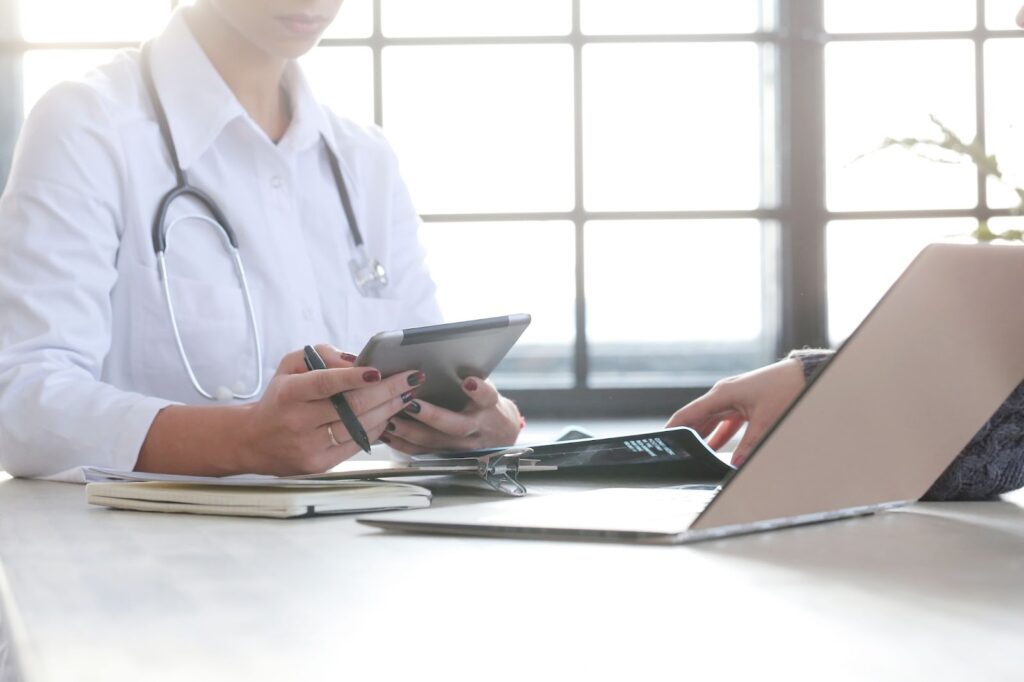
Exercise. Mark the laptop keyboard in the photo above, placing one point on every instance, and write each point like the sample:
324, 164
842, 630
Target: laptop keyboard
703, 494
616, 509
635, 511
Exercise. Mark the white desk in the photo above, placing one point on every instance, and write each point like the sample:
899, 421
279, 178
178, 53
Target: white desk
935, 592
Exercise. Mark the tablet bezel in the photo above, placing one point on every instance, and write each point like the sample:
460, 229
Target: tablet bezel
446, 353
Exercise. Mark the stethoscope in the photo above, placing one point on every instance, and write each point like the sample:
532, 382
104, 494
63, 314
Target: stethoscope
369, 275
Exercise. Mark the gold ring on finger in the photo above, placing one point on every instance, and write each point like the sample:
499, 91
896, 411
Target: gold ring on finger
330, 433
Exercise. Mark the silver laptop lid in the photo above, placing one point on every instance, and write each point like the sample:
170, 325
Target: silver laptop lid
910, 387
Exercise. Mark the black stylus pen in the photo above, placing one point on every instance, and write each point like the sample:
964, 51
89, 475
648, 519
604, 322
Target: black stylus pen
348, 418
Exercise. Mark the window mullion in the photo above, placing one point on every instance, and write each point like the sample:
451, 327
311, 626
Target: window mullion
979, 100
802, 181
376, 44
581, 364
10, 86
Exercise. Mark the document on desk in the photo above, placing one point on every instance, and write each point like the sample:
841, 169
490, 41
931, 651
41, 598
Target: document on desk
346, 471
349, 487
350, 471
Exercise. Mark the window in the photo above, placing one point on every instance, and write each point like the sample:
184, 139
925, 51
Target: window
677, 191
956, 61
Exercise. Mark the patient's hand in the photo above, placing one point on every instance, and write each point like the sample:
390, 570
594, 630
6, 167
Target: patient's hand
756, 399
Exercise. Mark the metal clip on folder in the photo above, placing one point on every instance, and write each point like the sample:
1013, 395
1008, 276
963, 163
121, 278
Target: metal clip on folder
500, 470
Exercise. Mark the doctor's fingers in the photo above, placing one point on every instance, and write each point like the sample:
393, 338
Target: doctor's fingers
408, 434
320, 384
482, 393
372, 420
295, 363
379, 399
398, 443
461, 425
321, 447
394, 392
329, 444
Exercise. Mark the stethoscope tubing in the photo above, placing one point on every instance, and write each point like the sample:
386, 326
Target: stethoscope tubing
368, 273
161, 263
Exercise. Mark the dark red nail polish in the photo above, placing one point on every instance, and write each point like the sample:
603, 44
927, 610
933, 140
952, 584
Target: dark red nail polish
371, 375
416, 379
390, 426
413, 408
348, 357
384, 438
407, 396
470, 384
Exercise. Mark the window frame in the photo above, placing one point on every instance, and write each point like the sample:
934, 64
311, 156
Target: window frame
793, 213
10, 86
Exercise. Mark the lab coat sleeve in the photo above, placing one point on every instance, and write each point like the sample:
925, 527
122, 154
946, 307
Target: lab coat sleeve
59, 236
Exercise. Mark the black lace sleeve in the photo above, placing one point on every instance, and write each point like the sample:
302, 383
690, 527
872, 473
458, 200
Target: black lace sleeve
993, 462
811, 359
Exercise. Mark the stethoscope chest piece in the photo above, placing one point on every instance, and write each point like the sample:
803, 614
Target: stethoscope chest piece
369, 275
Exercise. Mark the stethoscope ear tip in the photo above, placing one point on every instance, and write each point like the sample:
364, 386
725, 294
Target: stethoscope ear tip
224, 394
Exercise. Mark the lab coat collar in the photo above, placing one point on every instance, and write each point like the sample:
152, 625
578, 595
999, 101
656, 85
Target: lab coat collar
199, 103
309, 120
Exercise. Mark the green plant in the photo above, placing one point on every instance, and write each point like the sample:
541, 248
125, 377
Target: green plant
952, 149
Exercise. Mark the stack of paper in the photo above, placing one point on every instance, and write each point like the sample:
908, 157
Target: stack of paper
248, 495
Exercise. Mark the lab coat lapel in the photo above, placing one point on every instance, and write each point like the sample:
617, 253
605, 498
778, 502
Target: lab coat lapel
198, 102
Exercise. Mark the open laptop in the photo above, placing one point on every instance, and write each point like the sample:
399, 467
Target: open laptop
911, 386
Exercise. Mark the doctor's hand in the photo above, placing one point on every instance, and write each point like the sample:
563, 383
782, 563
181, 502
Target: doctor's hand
489, 420
287, 430
756, 399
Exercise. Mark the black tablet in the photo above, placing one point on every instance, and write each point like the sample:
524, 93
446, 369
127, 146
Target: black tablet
447, 353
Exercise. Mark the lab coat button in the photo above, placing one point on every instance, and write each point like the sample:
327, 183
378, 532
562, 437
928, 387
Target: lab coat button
275, 182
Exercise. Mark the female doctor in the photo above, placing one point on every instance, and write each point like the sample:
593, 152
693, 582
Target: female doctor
131, 337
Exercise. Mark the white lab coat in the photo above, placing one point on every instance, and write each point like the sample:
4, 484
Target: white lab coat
87, 355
